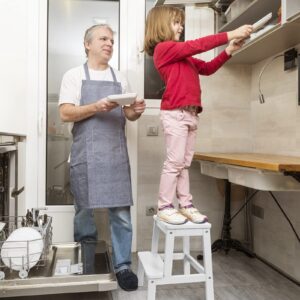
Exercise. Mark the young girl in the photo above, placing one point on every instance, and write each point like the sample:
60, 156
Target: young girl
181, 101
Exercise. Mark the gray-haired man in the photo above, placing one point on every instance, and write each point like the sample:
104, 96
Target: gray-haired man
99, 165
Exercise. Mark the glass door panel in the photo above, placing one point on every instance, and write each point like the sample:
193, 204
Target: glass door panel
67, 22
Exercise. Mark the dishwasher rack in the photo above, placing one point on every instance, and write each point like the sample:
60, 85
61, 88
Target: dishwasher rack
12, 223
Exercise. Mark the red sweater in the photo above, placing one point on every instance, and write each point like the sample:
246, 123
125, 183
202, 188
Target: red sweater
180, 71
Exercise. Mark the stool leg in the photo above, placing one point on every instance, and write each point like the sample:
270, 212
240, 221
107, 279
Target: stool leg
207, 263
155, 238
151, 290
140, 273
186, 251
169, 248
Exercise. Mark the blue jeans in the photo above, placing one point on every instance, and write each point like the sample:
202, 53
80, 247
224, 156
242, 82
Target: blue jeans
120, 229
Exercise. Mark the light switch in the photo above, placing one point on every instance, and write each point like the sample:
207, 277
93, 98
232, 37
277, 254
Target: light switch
152, 130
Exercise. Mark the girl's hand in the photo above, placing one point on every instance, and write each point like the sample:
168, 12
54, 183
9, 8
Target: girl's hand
103, 105
234, 45
242, 32
138, 106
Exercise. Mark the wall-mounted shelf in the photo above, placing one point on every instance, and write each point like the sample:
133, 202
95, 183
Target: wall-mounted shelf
255, 11
271, 41
277, 39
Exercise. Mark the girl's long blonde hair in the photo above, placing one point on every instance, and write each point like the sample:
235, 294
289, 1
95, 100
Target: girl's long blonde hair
158, 26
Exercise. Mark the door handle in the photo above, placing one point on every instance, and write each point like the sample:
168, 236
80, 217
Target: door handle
15, 193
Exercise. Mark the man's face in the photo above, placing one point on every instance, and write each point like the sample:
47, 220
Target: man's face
101, 44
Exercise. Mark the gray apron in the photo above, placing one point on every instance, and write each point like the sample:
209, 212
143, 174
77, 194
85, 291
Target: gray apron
99, 166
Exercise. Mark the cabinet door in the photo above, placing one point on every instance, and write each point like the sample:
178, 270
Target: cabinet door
290, 9
14, 19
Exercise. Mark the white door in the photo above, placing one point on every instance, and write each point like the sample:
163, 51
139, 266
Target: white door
67, 22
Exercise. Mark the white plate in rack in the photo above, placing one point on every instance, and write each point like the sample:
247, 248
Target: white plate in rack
24, 244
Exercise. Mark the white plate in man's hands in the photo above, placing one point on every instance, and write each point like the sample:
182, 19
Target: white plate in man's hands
23, 244
123, 99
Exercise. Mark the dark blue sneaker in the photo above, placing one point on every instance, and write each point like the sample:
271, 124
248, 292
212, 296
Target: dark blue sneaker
127, 280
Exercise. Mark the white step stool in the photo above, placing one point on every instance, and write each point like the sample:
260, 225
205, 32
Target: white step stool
158, 267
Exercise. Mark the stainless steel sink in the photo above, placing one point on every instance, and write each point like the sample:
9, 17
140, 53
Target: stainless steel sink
95, 272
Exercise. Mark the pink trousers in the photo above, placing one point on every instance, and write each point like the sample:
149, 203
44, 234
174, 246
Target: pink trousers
180, 128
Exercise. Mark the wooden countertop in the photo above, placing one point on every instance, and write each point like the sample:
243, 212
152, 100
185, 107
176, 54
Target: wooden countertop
279, 163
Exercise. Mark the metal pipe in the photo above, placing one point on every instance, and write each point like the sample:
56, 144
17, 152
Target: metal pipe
261, 96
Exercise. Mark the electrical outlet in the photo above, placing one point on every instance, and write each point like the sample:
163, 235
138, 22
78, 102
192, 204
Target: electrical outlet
290, 57
151, 210
152, 130
257, 211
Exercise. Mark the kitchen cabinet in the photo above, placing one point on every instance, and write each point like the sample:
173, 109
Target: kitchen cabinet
281, 33
14, 68
292, 9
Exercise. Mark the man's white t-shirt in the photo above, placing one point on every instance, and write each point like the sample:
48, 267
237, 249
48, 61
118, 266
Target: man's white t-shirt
70, 90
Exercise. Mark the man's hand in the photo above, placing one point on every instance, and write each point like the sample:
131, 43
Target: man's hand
138, 106
134, 111
74, 113
103, 105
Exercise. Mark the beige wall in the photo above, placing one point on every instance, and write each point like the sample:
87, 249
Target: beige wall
275, 129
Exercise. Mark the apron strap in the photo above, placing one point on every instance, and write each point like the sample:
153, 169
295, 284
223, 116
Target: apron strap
113, 74
86, 71
87, 74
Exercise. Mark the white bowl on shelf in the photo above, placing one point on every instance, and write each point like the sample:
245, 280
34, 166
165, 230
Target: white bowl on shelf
22, 249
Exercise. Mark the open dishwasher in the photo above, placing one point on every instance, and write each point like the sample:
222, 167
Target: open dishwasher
30, 265
34, 266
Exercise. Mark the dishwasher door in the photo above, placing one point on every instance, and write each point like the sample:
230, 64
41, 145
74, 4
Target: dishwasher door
70, 268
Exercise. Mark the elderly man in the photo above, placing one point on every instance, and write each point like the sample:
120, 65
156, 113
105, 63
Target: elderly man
99, 165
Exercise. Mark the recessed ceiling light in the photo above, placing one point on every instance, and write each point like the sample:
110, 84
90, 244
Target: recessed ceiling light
97, 20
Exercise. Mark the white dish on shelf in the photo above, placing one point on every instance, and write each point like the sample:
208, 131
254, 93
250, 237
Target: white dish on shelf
122, 99
261, 31
261, 22
23, 244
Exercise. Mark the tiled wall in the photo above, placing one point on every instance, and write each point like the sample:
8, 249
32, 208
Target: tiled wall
276, 122
275, 129
224, 125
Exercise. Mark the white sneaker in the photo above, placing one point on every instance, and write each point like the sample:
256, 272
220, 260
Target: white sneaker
193, 214
171, 215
